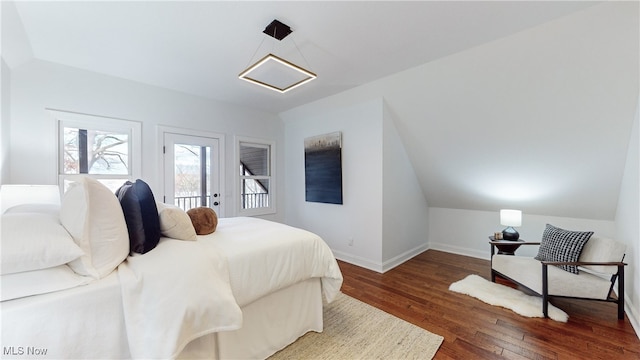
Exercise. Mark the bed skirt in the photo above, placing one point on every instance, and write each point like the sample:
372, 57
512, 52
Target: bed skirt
269, 325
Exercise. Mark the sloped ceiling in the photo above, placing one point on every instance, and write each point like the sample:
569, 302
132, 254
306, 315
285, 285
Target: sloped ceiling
499, 104
200, 47
539, 120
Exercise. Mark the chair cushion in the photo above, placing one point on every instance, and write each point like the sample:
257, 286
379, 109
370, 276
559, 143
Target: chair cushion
562, 245
600, 249
528, 272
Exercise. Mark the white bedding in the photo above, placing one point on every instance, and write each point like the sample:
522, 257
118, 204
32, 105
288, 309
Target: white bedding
265, 256
79, 323
155, 303
36, 282
173, 294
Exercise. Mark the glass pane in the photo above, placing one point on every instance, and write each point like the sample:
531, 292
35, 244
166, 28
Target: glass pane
113, 184
71, 162
192, 174
254, 159
255, 193
95, 152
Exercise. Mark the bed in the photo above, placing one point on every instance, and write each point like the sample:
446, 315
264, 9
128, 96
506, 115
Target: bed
245, 291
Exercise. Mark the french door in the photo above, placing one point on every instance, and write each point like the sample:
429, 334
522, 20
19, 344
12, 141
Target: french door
192, 166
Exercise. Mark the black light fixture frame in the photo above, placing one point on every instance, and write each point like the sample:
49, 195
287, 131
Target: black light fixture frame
277, 30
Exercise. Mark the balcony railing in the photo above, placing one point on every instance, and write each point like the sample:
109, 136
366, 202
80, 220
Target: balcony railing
254, 200
190, 202
249, 201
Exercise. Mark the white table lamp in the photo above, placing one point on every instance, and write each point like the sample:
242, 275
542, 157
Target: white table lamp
510, 218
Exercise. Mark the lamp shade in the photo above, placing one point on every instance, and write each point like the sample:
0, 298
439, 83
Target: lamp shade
510, 217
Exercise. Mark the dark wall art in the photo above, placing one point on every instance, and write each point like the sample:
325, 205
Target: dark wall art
323, 168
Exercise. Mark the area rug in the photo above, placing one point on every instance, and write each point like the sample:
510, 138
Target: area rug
506, 297
355, 330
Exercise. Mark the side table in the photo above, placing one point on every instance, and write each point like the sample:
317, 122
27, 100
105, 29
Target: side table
505, 247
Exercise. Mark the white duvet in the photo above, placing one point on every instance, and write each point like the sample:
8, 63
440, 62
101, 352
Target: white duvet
182, 290
266, 256
173, 294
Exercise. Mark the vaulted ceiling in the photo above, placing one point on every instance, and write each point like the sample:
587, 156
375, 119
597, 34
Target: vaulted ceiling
523, 103
200, 47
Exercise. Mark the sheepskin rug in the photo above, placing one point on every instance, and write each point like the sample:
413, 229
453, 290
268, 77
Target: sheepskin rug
506, 297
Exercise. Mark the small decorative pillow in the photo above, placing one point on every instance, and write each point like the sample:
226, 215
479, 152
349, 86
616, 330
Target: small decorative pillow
175, 223
141, 215
562, 245
204, 220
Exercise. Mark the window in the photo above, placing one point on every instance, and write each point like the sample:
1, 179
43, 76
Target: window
256, 174
106, 149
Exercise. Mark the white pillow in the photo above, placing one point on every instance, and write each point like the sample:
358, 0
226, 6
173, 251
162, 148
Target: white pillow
51, 209
15, 286
33, 241
93, 216
175, 223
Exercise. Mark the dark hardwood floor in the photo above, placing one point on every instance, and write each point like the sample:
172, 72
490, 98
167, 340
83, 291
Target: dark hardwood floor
418, 292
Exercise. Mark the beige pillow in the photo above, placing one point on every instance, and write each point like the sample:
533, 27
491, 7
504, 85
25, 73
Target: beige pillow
175, 223
92, 214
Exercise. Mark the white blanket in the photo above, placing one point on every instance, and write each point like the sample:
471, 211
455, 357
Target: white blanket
266, 256
173, 294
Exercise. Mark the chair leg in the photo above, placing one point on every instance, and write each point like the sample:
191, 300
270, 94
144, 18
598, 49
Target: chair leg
621, 292
545, 292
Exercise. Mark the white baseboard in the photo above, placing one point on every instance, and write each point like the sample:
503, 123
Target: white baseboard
460, 250
377, 266
358, 261
391, 263
632, 314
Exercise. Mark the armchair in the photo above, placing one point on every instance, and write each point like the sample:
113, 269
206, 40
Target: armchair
600, 265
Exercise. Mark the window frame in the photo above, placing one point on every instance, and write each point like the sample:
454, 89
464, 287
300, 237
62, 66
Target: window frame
271, 177
92, 122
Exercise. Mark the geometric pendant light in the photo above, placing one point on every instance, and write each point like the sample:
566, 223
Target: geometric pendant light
274, 72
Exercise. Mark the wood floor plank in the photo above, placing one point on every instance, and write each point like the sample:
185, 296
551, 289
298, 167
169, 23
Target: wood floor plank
418, 292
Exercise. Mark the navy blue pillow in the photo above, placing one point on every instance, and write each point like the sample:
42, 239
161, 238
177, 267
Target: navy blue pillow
141, 215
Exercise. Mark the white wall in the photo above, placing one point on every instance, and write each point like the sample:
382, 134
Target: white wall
360, 215
384, 210
5, 106
628, 223
466, 231
405, 209
38, 85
